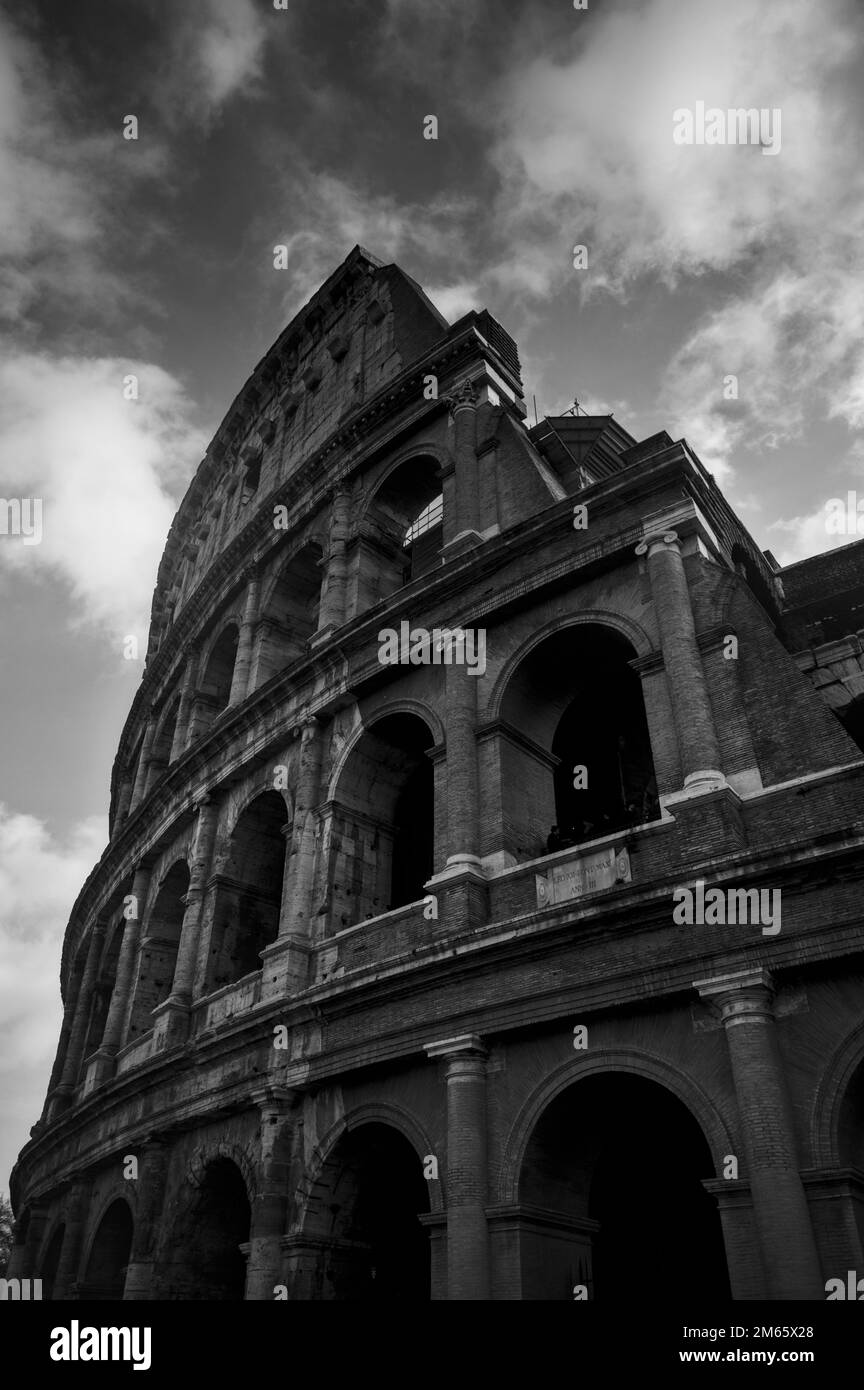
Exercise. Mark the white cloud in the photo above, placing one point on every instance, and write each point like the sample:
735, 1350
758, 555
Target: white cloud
216, 53
330, 215
586, 156
455, 300
104, 467
53, 222
39, 881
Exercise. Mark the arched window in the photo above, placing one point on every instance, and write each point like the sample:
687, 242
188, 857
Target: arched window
290, 613
383, 822
160, 943
402, 533
249, 894
582, 767
218, 674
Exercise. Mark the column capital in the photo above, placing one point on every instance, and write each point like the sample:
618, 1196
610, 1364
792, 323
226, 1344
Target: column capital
281, 1099
466, 1045
658, 540
462, 396
743, 996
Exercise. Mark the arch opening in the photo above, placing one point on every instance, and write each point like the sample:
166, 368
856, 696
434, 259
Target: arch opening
50, 1264
206, 1261
616, 1164
105, 1275
583, 766
215, 686
364, 1217
159, 946
383, 829
249, 892
103, 989
850, 1133
403, 529
291, 613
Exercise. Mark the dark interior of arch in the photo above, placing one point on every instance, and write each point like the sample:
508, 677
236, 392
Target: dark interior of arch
104, 987
249, 896
407, 549
621, 1160
579, 701
160, 754
219, 672
159, 946
48, 1269
378, 1249
852, 719
205, 1261
383, 821
105, 1276
293, 607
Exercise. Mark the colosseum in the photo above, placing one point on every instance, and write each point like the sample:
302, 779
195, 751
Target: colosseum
481, 913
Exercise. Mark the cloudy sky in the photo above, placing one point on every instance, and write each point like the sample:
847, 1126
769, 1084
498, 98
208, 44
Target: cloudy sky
303, 126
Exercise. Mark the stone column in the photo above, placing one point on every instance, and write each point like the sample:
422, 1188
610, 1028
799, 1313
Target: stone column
463, 795
152, 1172
172, 1017
75, 1220
270, 1204
70, 1007
184, 712
691, 706
143, 765
124, 799
467, 1230
332, 610
80, 1023
23, 1254
112, 1036
463, 407
243, 659
742, 1000
284, 964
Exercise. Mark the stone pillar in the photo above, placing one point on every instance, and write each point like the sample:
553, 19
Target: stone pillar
184, 712
467, 1230
743, 1002
463, 794
143, 765
24, 1252
333, 600
463, 527
284, 964
270, 1204
112, 1036
243, 659
152, 1172
172, 1017
75, 1220
70, 1007
124, 799
80, 1023
691, 706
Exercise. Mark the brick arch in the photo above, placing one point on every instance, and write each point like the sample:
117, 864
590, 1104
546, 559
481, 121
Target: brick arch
714, 1127
830, 1094
279, 558
599, 617
263, 782
241, 1156
419, 708
119, 1191
376, 478
229, 617
381, 1112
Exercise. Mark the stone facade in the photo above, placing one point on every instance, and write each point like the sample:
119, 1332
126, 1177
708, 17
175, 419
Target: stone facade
344, 1018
